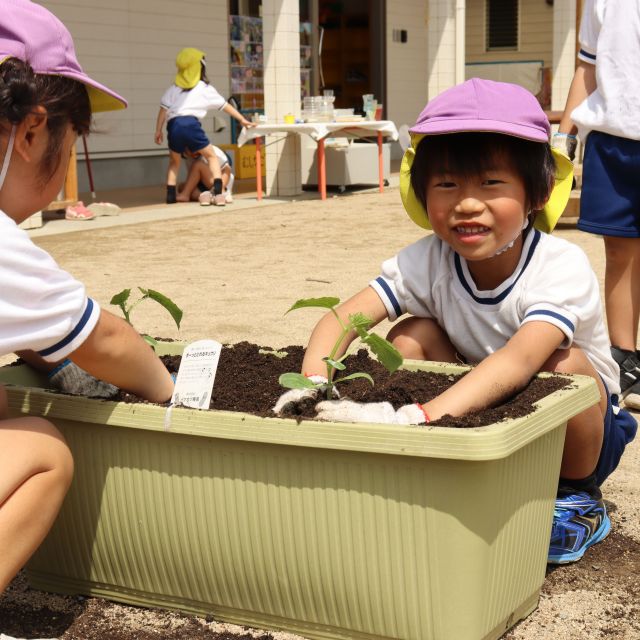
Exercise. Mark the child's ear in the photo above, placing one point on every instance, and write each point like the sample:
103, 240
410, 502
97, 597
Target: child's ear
31, 134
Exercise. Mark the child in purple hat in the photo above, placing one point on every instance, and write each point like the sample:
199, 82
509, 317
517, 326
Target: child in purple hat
46, 101
491, 287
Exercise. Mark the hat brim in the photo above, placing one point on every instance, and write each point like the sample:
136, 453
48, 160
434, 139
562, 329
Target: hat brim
100, 97
447, 125
545, 220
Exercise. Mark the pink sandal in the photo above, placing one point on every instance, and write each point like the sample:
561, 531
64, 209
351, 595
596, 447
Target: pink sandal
78, 212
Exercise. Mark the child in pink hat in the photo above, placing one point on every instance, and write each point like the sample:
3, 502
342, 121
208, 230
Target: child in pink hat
491, 287
46, 101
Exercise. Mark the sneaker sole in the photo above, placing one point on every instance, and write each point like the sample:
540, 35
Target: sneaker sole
601, 533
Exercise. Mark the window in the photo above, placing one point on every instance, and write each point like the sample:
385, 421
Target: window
502, 24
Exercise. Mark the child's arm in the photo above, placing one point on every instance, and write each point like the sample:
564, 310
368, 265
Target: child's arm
115, 352
162, 115
501, 374
328, 330
496, 378
583, 85
234, 113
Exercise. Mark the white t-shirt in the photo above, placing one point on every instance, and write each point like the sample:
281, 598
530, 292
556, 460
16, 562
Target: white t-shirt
42, 307
610, 39
191, 102
553, 282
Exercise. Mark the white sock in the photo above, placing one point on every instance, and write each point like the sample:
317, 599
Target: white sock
230, 183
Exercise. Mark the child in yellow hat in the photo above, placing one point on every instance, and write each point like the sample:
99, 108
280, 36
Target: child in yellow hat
182, 107
491, 286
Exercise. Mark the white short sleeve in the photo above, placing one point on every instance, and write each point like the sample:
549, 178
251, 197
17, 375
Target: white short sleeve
42, 307
590, 25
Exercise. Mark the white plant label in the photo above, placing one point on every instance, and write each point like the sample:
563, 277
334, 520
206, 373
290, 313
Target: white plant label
196, 375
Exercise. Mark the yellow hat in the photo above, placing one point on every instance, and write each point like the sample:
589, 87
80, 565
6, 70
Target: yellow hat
545, 220
189, 67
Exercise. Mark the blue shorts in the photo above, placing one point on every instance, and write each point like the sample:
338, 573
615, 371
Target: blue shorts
610, 199
185, 133
619, 430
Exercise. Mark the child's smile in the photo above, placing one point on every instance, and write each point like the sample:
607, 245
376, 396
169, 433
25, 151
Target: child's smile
477, 215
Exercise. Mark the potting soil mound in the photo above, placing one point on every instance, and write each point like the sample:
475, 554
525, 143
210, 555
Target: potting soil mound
247, 381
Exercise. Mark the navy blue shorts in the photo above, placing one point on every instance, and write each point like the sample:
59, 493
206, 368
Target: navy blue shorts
185, 133
619, 430
610, 200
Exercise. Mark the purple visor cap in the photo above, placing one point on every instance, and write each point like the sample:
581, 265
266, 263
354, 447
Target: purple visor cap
485, 106
33, 34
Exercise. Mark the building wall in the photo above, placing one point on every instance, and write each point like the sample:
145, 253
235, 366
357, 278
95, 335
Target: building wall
407, 63
535, 33
131, 47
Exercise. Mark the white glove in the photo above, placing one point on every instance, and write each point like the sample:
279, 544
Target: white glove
70, 378
566, 143
381, 412
294, 396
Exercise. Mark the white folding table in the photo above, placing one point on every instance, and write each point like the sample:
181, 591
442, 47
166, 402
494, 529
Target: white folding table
319, 131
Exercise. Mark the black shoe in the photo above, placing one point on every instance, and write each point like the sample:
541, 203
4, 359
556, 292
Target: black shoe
629, 376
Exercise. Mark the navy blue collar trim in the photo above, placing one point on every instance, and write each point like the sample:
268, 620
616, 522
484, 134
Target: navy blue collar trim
499, 298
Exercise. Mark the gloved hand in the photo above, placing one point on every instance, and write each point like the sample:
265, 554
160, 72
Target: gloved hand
565, 142
70, 378
381, 412
294, 396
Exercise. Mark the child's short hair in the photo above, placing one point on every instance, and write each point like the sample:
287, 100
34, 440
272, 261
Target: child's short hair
472, 153
65, 99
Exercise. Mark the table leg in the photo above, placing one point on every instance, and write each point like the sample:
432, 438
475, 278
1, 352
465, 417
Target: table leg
380, 163
259, 168
322, 171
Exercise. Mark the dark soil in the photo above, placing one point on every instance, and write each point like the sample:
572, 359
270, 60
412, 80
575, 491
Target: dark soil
247, 381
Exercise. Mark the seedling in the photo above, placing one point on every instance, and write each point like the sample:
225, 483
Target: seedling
382, 349
120, 300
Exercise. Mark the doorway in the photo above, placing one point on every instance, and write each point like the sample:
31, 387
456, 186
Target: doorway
351, 50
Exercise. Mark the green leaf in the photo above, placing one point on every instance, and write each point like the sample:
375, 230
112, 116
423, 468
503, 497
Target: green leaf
324, 303
167, 303
360, 321
352, 376
296, 381
336, 364
120, 298
152, 341
386, 353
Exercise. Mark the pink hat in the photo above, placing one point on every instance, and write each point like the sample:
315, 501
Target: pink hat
485, 105
31, 33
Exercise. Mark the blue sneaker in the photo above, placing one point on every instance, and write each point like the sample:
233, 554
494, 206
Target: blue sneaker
579, 521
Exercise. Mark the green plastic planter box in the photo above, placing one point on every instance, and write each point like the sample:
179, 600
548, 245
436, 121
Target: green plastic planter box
322, 529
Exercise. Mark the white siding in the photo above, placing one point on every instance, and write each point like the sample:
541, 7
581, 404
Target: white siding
131, 46
535, 33
407, 63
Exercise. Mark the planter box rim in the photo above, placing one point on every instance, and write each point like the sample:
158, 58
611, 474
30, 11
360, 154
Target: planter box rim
479, 443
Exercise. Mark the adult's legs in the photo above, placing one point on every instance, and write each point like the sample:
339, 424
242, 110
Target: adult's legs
36, 468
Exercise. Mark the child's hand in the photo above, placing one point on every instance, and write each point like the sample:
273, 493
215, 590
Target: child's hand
566, 143
379, 412
295, 396
247, 123
70, 378
158, 137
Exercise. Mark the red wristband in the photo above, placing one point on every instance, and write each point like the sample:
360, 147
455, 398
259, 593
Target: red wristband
427, 419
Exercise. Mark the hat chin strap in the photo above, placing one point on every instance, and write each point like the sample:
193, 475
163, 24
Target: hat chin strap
510, 244
7, 155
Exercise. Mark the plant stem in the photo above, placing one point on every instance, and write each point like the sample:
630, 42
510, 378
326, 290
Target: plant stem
332, 355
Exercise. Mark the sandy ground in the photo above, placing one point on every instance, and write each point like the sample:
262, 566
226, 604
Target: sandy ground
236, 271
